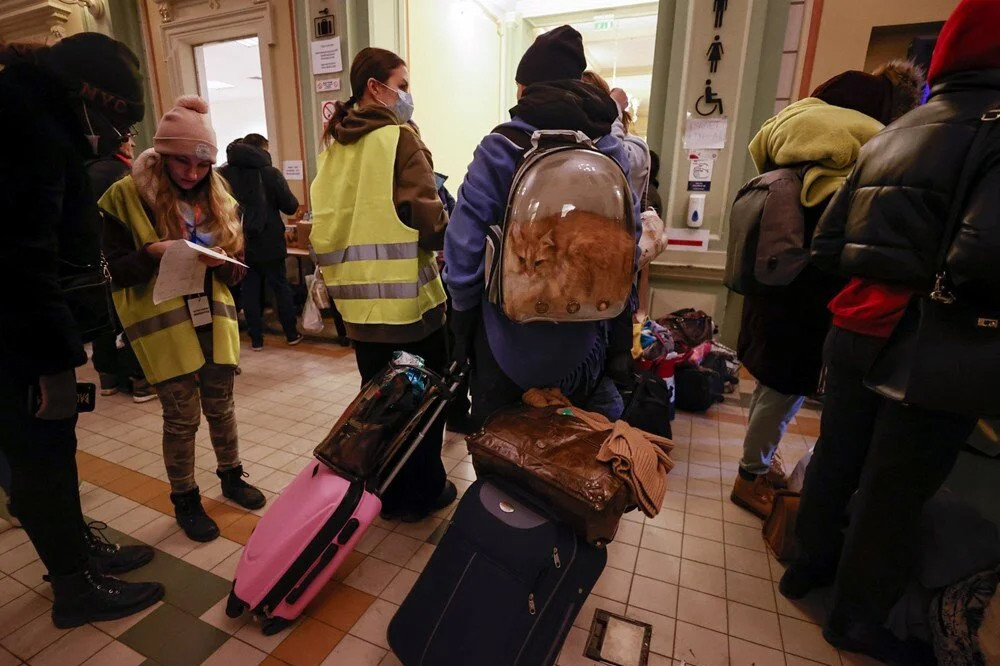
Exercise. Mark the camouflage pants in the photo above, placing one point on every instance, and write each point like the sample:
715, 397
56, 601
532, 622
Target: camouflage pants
184, 399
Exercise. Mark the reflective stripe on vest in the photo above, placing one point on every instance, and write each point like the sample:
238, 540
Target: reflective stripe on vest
368, 253
162, 336
371, 262
385, 290
174, 317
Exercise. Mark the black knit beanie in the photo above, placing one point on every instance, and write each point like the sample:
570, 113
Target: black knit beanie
101, 71
557, 54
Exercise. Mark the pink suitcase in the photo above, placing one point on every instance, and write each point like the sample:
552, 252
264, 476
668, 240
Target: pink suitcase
299, 544
311, 528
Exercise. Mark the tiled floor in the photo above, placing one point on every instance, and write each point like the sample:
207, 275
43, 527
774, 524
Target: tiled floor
698, 572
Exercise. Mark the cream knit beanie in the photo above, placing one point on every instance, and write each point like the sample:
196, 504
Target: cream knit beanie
185, 130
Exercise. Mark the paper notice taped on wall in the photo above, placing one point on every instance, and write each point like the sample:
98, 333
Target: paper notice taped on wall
326, 58
292, 169
705, 133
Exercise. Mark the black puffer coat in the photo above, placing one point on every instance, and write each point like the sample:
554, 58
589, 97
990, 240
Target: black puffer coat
886, 223
262, 191
49, 216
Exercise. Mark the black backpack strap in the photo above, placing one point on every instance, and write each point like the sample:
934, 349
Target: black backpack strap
520, 138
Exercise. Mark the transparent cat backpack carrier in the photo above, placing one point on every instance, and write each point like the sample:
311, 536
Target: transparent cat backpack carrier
566, 248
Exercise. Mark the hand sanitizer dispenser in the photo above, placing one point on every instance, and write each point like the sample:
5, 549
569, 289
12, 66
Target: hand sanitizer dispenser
696, 210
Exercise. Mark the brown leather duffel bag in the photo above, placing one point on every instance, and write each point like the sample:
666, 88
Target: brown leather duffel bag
553, 455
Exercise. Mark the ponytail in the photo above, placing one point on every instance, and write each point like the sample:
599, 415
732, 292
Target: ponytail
340, 110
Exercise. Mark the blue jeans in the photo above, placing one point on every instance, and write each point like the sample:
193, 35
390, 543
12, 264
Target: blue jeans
606, 400
770, 412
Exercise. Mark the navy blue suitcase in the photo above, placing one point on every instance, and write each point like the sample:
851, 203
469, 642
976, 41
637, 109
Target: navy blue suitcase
502, 588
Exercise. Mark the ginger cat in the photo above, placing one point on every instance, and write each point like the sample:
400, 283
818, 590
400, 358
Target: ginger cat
575, 262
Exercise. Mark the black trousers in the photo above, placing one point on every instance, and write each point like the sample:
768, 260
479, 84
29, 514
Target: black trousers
423, 477
491, 388
271, 273
460, 405
895, 457
44, 490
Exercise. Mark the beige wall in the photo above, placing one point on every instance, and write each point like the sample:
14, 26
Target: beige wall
283, 102
455, 63
846, 26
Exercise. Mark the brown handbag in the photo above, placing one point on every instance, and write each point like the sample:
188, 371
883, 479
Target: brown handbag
779, 528
554, 456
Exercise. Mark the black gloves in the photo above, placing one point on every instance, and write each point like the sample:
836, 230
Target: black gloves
462, 324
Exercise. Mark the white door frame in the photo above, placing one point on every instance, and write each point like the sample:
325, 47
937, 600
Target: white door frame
180, 37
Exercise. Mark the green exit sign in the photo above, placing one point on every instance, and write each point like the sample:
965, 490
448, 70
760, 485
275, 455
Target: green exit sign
604, 23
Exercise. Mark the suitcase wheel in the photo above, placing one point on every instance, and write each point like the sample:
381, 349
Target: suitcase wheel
234, 607
272, 625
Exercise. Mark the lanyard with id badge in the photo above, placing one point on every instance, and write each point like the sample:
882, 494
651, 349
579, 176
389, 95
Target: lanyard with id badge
200, 310
199, 307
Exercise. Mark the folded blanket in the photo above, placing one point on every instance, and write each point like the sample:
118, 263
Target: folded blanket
812, 133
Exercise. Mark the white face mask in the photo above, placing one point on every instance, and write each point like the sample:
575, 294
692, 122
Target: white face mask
93, 138
403, 108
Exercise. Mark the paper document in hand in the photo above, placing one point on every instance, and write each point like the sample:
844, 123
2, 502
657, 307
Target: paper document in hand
181, 272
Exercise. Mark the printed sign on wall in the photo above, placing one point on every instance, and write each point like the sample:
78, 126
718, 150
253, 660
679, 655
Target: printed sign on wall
326, 57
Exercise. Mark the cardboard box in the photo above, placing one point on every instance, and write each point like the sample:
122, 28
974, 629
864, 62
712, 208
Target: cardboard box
302, 231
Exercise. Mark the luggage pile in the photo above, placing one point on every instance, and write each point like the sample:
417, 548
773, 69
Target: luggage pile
526, 543
321, 516
680, 349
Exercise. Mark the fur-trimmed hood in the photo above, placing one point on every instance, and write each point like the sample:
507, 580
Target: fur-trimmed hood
907, 80
144, 176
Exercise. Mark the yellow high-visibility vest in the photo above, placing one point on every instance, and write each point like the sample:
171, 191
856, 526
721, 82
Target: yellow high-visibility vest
163, 336
371, 263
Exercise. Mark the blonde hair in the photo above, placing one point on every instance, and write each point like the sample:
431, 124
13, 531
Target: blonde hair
222, 218
595, 79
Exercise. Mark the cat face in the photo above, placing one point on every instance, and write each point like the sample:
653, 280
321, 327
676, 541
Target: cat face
530, 251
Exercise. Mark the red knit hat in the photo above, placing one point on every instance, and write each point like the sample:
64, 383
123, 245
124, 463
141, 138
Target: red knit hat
968, 40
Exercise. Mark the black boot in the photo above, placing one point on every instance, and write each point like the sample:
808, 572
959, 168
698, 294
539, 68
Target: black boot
802, 577
192, 518
238, 490
92, 597
877, 642
110, 558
